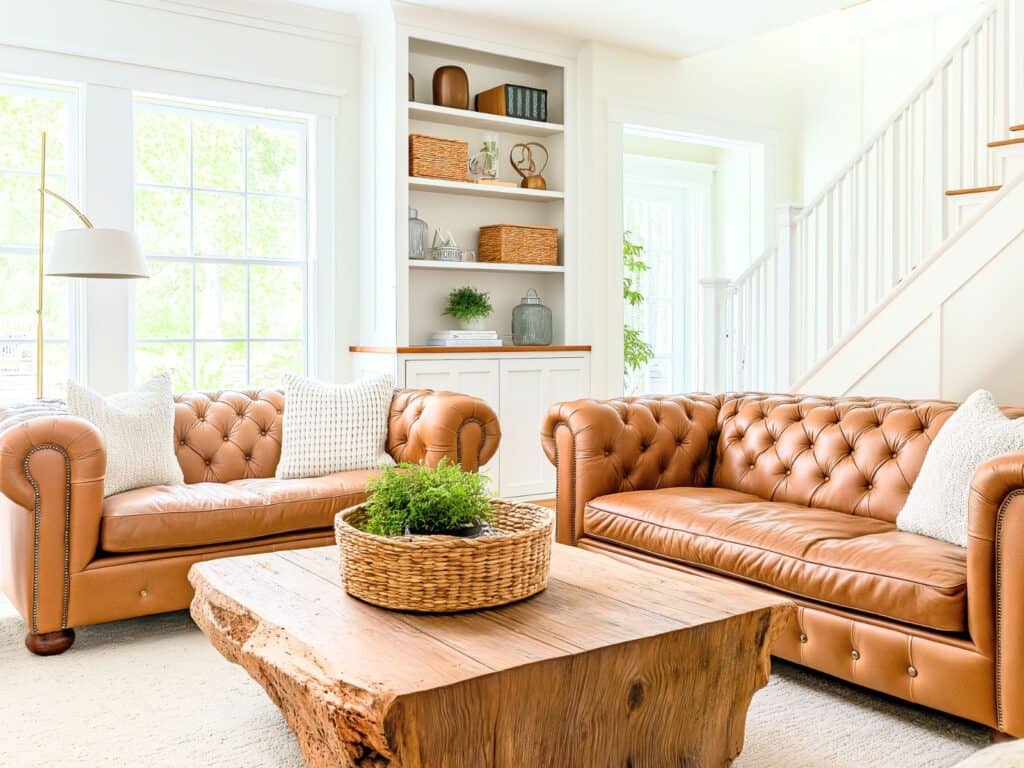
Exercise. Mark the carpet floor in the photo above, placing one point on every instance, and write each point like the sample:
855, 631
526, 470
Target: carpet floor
151, 693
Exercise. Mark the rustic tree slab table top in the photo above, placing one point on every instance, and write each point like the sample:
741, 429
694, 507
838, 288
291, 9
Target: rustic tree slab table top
611, 665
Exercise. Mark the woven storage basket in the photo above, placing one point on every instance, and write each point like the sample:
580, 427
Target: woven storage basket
438, 158
439, 574
513, 244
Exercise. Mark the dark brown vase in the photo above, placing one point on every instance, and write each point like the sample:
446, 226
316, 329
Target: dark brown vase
451, 87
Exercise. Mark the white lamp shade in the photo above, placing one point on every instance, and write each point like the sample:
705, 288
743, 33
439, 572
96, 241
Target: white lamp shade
110, 253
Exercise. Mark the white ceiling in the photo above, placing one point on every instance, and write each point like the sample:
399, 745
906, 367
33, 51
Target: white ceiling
666, 27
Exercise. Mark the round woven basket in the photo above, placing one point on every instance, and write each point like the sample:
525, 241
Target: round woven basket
439, 574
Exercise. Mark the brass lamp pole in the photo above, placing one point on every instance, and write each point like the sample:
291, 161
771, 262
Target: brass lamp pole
92, 252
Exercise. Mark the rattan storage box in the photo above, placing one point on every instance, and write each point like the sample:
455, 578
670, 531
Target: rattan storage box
515, 244
438, 158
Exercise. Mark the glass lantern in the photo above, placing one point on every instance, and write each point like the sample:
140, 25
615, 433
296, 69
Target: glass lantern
531, 322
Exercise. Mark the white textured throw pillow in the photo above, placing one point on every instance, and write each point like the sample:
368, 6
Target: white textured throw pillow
138, 429
334, 427
976, 432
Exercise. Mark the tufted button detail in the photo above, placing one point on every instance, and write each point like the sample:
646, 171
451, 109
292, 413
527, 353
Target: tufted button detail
263, 433
855, 654
803, 638
870, 486
143, 592
789, 472
912, 670
226, 438
248, 457
751, 466
894, 455
181, 442
208, 462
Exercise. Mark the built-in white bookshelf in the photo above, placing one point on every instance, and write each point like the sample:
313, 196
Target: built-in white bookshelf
463, 207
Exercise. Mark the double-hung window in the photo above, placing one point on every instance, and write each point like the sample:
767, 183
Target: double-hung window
221, 212
27, 109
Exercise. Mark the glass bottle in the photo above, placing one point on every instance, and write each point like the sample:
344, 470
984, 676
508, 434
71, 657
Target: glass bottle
417, 236
531, 322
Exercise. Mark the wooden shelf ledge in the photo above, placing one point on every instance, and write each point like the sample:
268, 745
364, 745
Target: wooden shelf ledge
422, 350
1006, 142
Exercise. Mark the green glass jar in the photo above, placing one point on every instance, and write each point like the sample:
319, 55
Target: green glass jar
531, 322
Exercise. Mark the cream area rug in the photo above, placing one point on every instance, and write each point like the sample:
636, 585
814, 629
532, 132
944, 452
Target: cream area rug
151, 693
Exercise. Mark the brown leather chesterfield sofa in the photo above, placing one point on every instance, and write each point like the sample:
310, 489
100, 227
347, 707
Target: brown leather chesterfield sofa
69, 557
799, 495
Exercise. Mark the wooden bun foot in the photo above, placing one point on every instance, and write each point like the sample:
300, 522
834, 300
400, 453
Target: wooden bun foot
50, 643
998, 737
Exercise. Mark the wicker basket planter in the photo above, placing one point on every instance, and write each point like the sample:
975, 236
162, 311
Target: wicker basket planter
513, 244
440, 574
437, 158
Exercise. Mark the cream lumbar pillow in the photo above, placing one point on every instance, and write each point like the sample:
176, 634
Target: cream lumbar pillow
138, 429
334, 427
976, 432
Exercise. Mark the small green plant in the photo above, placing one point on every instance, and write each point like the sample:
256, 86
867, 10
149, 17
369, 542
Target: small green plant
468, 303
414, 498
636, 352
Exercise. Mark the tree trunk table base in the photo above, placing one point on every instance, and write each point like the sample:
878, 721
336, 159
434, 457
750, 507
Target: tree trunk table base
611, 665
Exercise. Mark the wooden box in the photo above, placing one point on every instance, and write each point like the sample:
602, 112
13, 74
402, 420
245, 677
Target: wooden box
514, 244
436, 158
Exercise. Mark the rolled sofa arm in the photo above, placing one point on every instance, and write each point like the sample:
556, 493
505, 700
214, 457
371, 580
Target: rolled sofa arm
426, 426
51, 504
627, 444
995, 579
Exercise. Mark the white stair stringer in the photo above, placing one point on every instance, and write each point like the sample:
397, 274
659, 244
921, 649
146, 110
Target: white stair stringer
954, 324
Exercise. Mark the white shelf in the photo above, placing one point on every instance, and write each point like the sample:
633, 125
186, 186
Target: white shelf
482, 190
483, 120
483, 266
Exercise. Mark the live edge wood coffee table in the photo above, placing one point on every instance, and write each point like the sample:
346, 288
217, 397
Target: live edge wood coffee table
612, 665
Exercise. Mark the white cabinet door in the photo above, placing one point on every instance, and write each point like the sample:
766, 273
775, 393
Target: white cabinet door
528, 387
477, 378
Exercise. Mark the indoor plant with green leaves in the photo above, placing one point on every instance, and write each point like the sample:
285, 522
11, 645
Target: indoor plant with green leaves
636, 352
417, 499
470, 306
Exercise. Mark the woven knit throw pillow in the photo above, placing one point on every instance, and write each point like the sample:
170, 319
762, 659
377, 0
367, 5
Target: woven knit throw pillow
138, 430
976, 432
334, 427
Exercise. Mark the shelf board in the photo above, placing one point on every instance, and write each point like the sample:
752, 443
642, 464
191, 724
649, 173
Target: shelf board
482, 190
470, 119
484, 266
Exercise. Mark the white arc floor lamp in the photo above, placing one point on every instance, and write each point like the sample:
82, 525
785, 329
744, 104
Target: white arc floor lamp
89, 252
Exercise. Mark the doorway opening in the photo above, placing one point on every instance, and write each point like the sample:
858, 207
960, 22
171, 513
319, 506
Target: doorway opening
695, 207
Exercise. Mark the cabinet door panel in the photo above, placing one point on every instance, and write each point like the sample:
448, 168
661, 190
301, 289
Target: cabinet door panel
477, 378
528, 387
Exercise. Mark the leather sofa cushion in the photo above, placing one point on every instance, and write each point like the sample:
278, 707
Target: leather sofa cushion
845, 560
174, 516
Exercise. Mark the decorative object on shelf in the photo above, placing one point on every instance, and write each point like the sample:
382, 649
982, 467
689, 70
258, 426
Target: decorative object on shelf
484, 163
514, 101
531, 322
468, 255
412, 87
88, 252
451, 87
445, 247
516, 244
437, 573
526, 166
495, 183
470, 306
417, 236
464, 339
437, 158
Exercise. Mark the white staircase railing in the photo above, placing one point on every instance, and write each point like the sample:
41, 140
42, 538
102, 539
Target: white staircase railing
880, 217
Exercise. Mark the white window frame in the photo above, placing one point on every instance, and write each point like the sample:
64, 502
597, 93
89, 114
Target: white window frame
246, 118
696, 179
71, 94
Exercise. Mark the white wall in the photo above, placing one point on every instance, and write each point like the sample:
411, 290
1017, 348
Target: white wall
247, 52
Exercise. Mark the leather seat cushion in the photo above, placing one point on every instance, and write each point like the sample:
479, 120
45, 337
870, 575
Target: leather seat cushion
845, 560
173, 516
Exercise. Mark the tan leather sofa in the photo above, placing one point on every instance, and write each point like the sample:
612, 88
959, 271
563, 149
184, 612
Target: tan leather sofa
799, 495
69, 557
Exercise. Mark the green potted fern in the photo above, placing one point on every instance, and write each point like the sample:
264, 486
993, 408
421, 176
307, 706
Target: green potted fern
414, 499
470, 306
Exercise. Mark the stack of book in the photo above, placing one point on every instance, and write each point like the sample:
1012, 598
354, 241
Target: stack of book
464, 339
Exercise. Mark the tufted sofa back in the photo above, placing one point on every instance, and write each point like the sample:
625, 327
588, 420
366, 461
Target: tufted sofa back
855, 455
229, 435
